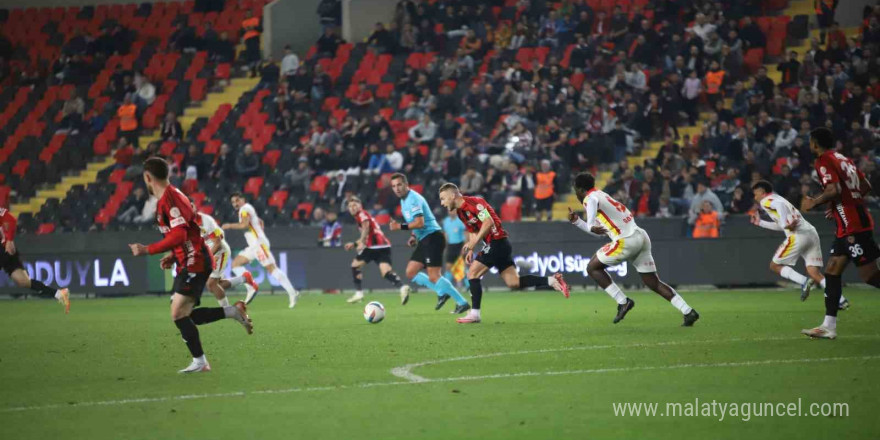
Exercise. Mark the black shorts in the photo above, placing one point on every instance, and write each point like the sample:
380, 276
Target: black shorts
429, 251
498, 254
544, 204
379, 255
859, 248
453, 251
191, 284
10, 263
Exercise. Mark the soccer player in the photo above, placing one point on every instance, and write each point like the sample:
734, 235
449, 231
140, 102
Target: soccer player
484, 226
453, 230
606, 216
258, 248
372, 246
10, 261
427, 237
845, 188
177, 222
801, 240
216, 242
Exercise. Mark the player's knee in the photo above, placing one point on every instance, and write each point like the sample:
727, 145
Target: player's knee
513, 284
775, 268
433, 276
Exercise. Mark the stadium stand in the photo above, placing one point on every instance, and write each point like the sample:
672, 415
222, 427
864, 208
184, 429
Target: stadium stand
481, 95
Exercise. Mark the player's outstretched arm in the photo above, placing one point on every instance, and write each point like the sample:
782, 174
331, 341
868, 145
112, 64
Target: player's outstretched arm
830, 193
243, 224
590, 211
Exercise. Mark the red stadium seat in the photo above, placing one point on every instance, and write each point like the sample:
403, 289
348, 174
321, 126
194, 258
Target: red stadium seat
303, 211
278, 199
271, 158
252, 186
511, 210
319, 185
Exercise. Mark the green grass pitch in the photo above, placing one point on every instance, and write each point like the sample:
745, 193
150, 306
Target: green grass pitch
539, 367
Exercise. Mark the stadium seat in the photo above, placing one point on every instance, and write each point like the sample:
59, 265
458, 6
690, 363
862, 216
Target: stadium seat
383, 219
278, 199
319, 185
253, 185
303, 211
511, 210
271, 158
46, 228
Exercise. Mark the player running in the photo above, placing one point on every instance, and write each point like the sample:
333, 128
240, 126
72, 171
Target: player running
213, 236
10, 262
483, 225
606, 216
177, 221
428, 239
258, 248
372, 246
845, 188
801, 240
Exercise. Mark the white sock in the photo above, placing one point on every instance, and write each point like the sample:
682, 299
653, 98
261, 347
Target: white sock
475, 312
359, 293
791, 274
239, 271
614, 291
822, 284
223, 302
229, 311
679, 303
201, 359
236, 281
58, 295
830, 322
281, 277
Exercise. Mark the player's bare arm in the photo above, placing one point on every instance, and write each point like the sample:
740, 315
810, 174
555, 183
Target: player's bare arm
138, 249
573, 217
417, 223
412, 241
167, 261
361, 242
10, 247
830, 193
475, 239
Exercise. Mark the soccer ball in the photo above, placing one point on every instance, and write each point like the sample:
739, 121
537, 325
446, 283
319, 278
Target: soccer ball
374, 312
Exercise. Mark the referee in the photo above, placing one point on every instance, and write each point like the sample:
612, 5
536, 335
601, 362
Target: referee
453, 228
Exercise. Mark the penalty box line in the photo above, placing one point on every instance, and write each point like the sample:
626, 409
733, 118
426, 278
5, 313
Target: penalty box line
422, 380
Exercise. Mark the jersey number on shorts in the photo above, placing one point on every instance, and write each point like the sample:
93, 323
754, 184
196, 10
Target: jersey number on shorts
856, 250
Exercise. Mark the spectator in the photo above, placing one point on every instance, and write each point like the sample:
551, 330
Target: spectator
247, 164
72, 114
394, 158
195, 159
707, 224
223, 166
124, 154
472, 182
134, 206
364, 99
145, 92
704, 194
424, 131
251, 40
170, 129
380, 39
128, 122
299, 178
545, 192
328, 43
331, 230
289, 64
715, 83
790, 69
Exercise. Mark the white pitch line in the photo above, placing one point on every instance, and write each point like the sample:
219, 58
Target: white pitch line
405, 371
458, 379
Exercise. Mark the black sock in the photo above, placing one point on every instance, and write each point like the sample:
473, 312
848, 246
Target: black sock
393, 278
190, 335
356, 277
207, 315
476, 293
526, 281
833, 290
42, 290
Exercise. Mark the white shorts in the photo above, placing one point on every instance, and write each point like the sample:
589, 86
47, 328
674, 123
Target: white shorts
221, 259
804, 245
260, 253
636, 249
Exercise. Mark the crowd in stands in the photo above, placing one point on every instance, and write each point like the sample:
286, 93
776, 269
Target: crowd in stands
509, 98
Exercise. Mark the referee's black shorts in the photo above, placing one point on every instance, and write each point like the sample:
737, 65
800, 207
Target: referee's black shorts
429, 251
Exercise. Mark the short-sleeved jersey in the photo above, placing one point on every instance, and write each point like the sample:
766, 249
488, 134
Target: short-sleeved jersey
454, 229
254, 233
375, 237
174, 210
603, 210
7, 226
474, 211
783, 213
414, 205
848, 208
211, 231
